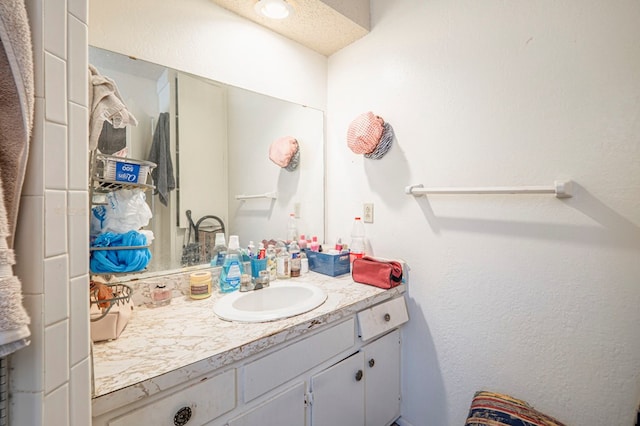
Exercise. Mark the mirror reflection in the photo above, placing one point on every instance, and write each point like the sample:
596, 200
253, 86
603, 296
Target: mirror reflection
217, 140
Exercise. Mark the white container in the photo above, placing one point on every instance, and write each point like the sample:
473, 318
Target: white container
357, 240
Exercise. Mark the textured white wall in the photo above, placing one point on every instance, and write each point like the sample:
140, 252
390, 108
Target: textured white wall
201, 38
527, 295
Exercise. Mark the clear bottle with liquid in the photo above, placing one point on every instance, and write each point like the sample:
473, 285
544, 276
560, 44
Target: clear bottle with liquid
292, 228
283, 260
219, 250
232, 269
295, 266
357, 240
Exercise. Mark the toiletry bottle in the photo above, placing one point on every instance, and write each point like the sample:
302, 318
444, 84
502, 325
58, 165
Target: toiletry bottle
251, 249
294, 251
271, 262
219, 250
304, 263
282, 264
357, 240
315, 245
302, 242
232, 267
262, 252
292, 228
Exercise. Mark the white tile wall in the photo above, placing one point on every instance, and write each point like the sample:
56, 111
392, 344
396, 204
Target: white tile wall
50, 379
34, 180
79, 319
78, 55
77, 211
35, 13
79, 9
27, 408
55, 155
29, 245
56, 287
55, 232
55, 89
78, 136
56, 355
80, 393
55, 27
56, 406
27, 369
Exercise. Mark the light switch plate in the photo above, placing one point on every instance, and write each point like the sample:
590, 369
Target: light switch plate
367, 212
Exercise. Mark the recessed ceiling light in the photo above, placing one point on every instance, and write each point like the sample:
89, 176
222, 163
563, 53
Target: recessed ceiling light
274, 9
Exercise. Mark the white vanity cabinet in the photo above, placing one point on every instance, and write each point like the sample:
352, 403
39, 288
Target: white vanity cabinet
363, 389
344, 372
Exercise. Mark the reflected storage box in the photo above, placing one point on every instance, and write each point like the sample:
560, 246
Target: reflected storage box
329, 264
126, 170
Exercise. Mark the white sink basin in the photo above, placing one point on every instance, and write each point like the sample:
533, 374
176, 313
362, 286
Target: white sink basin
279, 300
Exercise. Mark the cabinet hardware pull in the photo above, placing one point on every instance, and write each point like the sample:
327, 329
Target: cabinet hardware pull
372, 362
182, 416
359, 375
387, 317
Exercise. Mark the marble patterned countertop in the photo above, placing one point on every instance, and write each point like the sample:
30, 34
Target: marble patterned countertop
164, 346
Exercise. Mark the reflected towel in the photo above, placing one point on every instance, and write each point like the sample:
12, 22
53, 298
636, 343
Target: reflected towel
127, 260
160, 154
105, 104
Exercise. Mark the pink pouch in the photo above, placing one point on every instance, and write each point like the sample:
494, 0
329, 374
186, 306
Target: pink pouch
379, 273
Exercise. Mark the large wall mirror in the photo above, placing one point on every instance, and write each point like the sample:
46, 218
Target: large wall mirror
218, 145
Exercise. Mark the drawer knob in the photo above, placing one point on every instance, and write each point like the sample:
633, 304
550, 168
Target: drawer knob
387, 317
359, 375
372, 362
182, 416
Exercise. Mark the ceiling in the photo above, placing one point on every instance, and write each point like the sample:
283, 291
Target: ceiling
325, 26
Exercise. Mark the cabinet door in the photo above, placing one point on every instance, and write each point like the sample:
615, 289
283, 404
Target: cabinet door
338, 394
286, 408
382, 379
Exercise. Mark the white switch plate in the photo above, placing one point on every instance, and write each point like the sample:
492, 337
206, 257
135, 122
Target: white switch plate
296, 209
367, 212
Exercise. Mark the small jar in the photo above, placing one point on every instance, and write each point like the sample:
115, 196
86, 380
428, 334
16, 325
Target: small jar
161, 295
200, 285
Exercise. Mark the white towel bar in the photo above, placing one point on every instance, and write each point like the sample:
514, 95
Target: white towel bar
270, 195
561, 189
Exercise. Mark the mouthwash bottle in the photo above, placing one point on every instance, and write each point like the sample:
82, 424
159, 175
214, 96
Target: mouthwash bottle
219, 250
232, 267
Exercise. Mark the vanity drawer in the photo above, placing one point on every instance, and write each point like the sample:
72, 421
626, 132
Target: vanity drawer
206, 400
381, 318
278, 367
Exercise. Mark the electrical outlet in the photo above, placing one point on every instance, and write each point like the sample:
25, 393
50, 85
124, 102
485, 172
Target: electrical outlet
296, 209
368, 212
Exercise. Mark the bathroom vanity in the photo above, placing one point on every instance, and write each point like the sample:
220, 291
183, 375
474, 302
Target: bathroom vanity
181, 365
